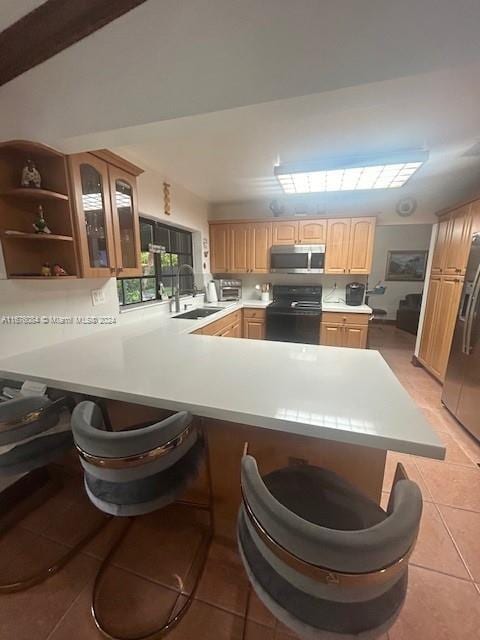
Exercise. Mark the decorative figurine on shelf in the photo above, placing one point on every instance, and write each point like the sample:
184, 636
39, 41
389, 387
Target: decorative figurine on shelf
30, 176
40, 225
58, 270
46, 270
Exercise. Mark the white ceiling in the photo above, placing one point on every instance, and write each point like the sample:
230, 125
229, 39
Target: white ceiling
229, 155
374, 76
13, 10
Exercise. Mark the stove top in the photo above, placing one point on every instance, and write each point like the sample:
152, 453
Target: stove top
296, 299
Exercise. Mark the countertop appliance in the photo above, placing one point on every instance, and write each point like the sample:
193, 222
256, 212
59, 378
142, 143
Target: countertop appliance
228, 289
295, 314
461, 391
297, 258
354, 293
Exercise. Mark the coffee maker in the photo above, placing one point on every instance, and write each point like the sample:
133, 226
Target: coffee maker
354, 293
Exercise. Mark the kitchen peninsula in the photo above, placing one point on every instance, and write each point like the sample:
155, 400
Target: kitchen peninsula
293, 403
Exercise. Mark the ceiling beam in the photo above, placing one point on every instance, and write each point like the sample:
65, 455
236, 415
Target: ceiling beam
51, 28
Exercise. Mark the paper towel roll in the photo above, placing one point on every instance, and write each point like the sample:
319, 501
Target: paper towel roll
212, 292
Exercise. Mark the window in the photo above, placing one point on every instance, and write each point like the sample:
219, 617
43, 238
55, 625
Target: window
158, 268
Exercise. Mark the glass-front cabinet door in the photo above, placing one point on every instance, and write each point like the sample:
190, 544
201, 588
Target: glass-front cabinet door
93, 208
126, 226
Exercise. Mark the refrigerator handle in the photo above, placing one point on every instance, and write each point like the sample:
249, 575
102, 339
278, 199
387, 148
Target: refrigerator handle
472, 303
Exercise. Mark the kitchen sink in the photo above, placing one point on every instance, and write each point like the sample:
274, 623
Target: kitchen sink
201, 312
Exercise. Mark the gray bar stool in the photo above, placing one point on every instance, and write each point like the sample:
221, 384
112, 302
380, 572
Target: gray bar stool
137, 471
32, 436
326, 560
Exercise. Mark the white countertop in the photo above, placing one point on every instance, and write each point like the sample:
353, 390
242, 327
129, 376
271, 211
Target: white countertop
341, 307
345, 395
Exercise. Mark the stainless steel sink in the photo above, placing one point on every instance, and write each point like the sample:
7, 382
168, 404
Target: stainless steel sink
201, 312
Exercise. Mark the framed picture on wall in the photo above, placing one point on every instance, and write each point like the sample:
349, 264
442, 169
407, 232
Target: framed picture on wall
406, 266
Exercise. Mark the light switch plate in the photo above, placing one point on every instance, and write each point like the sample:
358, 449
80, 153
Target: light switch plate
98, 297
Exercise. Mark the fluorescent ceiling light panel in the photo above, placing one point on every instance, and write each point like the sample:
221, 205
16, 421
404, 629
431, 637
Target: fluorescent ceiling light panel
362, 174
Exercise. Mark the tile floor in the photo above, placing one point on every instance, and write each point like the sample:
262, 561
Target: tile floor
443, 601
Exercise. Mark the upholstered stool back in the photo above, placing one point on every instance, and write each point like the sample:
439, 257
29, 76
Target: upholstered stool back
31, 434
321, 555
134, 472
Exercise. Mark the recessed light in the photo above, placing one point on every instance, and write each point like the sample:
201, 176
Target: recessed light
389, 172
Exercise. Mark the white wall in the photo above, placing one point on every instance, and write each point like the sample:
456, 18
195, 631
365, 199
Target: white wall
72, 298
392, 238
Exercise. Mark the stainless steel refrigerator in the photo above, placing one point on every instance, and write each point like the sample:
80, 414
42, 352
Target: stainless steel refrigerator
461, 392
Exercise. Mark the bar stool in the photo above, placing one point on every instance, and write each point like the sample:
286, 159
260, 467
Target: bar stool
32, 435
137, 471
326, 560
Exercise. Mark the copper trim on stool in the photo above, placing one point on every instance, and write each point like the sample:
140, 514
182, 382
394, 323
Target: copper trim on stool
137, 459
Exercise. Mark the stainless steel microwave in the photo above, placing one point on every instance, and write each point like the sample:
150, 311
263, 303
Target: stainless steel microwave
297, 258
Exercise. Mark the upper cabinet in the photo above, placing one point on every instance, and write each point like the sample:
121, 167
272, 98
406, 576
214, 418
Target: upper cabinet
244, 247
312, 231
107, 217
240, 247
349, 246
285, 232
453, 242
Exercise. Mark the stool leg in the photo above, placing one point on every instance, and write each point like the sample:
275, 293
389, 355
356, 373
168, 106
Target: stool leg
247, 610
196, 568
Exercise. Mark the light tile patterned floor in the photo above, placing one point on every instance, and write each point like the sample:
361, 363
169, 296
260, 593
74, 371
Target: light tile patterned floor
443, 601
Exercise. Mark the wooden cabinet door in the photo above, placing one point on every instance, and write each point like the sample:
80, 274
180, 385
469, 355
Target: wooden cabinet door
337, 246
219, 248
285, 232
237, 330
444, 324
90, 185
355, 336
126, 224
331, 334
312, 231
439, 253
239, 248
431, 314
260, 242
254, 329
362, 232
459, 241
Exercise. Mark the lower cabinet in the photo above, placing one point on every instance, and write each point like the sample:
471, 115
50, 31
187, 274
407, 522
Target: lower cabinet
344, 330
254, 324
440, 314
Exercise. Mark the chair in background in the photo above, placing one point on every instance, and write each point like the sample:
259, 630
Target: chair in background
408, 313
135, 472
326, 560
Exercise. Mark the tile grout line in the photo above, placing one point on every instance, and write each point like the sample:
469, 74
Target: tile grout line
455, 543
63, 616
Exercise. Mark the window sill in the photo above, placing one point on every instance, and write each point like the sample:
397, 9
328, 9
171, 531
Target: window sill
154, 303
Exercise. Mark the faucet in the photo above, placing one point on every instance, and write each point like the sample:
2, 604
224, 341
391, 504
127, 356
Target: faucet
177, 287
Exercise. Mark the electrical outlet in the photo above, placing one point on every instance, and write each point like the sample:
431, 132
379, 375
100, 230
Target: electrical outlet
98, 297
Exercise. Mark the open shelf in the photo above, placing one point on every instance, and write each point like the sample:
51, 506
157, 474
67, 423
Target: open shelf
34, 194
20, 235
37, 277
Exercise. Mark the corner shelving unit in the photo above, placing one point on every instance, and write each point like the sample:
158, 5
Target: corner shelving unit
24, 250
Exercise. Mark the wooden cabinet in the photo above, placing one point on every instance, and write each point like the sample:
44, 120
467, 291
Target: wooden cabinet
244, 247
312, 231
440, 315
349, 246
260, 242
239, 261
107, 216
362, 232
445, 287
285, 232
254, 323
240, 247
337, 249
219, 248
453, 242
229, 326
344, 329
